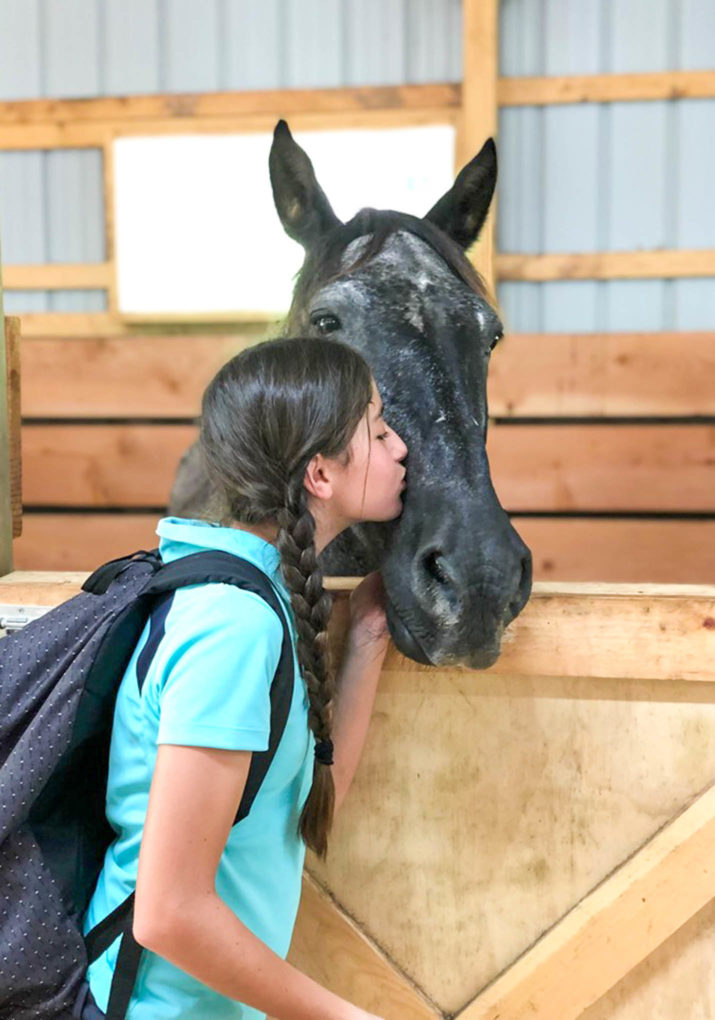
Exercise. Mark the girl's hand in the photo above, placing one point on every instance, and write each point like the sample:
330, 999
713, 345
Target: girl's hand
368, 619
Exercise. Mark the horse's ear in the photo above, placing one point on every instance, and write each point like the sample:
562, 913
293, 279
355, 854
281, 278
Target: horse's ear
461, 211
303, 208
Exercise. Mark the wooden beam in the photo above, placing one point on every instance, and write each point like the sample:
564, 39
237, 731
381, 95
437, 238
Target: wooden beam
609, 932
12, 351
58, 276
478, 118
6, 516
606, 88
102, 324
609, 265
191, 106
110, 252
91, 134
329, 947
161, 375
569, 467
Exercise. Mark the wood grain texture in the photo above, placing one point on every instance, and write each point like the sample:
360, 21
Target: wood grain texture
614, 928
563, 549
331, 949
478, 115
14, 410
530, 374
544, 468
607, 265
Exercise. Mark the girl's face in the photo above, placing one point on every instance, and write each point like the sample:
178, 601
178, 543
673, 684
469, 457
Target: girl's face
372, 490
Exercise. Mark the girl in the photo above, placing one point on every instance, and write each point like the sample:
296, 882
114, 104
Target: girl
297, 450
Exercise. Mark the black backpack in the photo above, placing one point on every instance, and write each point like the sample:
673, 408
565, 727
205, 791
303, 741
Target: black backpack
59, 677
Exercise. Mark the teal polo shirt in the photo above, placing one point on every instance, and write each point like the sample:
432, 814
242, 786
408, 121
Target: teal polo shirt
208, 685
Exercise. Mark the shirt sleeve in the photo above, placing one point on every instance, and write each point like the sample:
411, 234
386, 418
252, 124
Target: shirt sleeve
215, 689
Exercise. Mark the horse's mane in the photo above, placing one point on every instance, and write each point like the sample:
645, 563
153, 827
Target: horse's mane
323, 262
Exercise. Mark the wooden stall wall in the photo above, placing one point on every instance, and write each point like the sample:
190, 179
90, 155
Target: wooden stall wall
601, 396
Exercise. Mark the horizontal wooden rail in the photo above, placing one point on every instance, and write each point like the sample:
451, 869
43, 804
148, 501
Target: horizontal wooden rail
564, 549
546, 468
605, 88
124, 113
584, 630
530, 374
58, 276
606, 265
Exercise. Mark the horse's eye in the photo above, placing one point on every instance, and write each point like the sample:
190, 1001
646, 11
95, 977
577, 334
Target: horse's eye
496, 340
325, 322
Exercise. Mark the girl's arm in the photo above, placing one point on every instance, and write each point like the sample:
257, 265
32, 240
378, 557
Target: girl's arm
356, 684
194, 796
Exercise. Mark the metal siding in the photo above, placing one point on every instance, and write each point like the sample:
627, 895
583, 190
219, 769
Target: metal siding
20, 66
130, 46
253, 45
376, 33
70, 46
434, 32
313, 44
697, 34
190, 40
580, 178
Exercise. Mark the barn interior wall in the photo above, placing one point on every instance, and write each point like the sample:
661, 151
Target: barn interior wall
590, 177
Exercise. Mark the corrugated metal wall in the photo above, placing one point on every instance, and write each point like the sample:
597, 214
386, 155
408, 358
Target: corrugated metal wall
573, 178
607, 176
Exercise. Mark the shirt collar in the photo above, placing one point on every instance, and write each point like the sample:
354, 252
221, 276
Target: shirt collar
181, 536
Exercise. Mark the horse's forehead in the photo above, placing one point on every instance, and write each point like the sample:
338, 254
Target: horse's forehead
403, 255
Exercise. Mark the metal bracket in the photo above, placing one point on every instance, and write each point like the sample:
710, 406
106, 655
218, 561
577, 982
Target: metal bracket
14, 617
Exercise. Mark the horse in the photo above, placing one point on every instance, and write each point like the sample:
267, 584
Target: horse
401, 290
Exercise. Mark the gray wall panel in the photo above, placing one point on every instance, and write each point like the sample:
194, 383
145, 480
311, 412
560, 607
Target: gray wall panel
130, 46
191, 46
20, 65
572, 178
639, 36
694, 304
313, 43
18, 302
636, 183
253, 44
695, 221
571, 36
22, 207
74, 206
375, 31
697, 34
434, 40
70, 49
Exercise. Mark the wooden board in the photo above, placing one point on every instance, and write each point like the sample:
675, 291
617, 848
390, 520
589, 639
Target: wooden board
492, 811
12, 364
535, 468
564, 549
555, 375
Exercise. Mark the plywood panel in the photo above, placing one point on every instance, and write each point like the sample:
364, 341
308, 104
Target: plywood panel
548, 794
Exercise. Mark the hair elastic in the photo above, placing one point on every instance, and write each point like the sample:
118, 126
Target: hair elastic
324, 751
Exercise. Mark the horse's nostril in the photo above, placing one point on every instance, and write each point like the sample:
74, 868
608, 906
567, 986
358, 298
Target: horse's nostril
434, 565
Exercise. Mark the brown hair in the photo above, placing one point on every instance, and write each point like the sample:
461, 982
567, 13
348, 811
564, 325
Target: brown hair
265, 415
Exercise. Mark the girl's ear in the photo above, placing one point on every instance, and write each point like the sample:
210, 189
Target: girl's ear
315, 480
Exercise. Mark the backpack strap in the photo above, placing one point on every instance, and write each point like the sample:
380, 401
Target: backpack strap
197, 568
218, 566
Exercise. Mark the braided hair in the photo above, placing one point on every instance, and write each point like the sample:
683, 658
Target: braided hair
265, 414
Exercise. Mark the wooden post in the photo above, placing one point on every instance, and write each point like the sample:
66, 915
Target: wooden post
5, 487
479, 114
